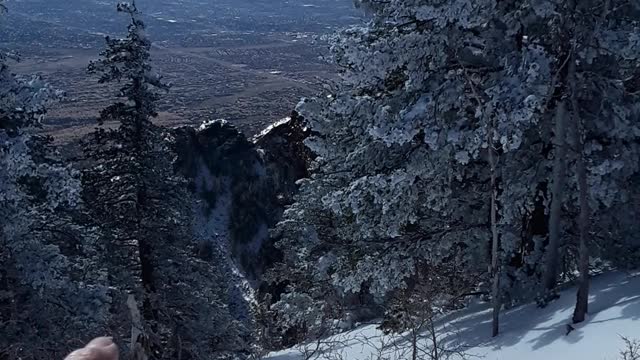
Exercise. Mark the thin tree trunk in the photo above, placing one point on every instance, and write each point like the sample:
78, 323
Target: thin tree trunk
414, 344
434, 340
559, 175
582, 301
495, 270
137, 348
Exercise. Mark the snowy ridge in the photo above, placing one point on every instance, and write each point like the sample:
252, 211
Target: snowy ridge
270, 128
528, 332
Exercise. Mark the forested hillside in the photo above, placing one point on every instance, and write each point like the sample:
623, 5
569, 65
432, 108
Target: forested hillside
483, 148
473, 169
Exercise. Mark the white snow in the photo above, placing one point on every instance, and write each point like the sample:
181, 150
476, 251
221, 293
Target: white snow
270, 128
206, 124
527, 332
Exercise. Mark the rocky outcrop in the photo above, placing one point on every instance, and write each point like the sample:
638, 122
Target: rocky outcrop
285, 156
244, 185
241, 189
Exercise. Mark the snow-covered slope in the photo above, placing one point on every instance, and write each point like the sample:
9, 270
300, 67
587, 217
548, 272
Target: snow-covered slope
528, 332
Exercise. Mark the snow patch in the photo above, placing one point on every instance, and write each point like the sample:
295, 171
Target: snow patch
527, 332
270, 128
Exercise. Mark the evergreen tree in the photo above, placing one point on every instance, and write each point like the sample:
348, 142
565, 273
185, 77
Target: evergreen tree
143, 208
440, 106
601, 86
47, 296
128, 60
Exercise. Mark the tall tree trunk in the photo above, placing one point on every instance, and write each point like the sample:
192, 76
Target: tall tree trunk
495, 264
414, 344
137, 345
435, 353
559, 175
582, 301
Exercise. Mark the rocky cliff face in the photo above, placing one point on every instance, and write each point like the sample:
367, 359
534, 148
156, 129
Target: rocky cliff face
285, 156
243, 185
241, 188
191, 259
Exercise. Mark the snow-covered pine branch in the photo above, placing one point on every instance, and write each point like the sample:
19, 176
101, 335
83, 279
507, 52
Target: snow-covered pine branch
403, 179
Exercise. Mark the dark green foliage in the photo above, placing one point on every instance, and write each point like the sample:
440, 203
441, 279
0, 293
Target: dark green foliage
52, 286
143, 208
127, 61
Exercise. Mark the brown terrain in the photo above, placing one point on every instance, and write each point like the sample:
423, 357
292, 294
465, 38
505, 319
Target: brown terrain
247, 61
249, 85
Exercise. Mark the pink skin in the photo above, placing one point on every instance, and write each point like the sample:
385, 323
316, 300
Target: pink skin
101, 348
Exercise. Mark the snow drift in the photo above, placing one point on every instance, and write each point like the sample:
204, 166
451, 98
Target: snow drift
527, 332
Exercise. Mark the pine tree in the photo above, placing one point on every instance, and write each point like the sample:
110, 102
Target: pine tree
403, 145
604, 138
118, 182
128, 60
600, 155
51, 284
404, 174
144, 209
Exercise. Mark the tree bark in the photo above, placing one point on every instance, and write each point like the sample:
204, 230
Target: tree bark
495, 264
414, 344
137, 346
582, 301
434, 340
559, 175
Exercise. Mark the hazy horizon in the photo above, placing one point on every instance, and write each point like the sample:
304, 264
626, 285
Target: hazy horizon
246, 60
166, 18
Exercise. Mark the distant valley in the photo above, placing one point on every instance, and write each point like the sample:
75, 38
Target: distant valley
248, 61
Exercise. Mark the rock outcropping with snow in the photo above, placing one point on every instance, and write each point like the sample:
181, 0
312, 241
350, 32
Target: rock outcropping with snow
243, 185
